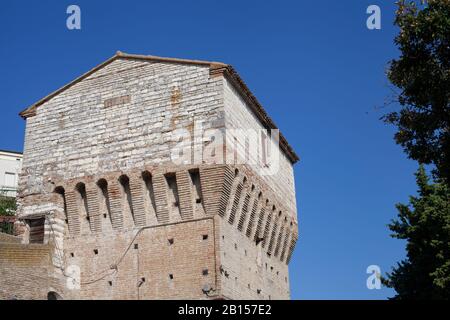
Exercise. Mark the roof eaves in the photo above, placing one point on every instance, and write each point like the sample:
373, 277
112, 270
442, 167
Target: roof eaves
12, 152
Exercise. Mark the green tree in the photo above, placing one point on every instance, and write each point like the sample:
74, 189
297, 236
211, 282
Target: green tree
7, 205
425, 224
7, 208
422, 75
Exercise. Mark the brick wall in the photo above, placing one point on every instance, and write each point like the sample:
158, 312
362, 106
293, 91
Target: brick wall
26, 271
9, 238
160, 262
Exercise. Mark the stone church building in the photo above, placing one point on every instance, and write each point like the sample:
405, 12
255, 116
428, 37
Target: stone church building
126, 189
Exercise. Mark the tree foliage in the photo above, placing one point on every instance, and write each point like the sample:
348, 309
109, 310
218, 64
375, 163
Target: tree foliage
425, 224
7, 206
422, 74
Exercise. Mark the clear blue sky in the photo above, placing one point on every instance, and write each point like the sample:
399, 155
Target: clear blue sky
314, 65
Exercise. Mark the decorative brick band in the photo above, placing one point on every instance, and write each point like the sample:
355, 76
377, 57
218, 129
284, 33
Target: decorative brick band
73, 214
251, 221
115, 200
93, 208
184, 195
160, 188
244, 212
137, 194
291, 247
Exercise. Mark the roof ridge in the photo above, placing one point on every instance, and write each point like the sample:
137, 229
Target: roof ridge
169, 59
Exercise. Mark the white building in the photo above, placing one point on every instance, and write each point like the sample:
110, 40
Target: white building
10, 166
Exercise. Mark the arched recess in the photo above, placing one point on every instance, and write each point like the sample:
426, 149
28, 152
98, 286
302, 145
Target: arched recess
85, 219
149, 199
52, 295
127, 201
104, 205
62, 202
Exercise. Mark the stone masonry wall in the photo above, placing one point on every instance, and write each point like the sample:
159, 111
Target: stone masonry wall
239, 116
74, 134
97, 165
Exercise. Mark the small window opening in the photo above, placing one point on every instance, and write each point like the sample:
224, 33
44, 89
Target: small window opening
36, 230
